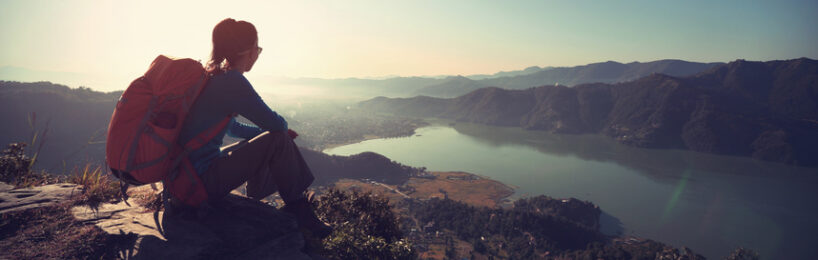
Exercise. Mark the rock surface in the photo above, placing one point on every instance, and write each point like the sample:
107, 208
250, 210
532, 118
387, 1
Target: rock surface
236, 227
21, 199
5, 187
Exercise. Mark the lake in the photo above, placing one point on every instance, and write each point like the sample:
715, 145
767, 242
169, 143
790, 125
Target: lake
709, 203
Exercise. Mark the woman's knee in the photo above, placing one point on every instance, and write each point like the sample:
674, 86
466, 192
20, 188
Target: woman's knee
279, 135
274, 137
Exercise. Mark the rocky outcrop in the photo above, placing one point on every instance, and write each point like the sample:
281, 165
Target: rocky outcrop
236, 227
27, 198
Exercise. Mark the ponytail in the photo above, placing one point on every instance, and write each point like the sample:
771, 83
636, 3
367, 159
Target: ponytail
230, 37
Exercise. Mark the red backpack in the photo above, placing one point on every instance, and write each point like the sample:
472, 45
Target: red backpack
142, 145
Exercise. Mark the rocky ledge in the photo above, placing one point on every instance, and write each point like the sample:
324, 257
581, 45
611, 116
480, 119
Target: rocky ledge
12, 199
236, 227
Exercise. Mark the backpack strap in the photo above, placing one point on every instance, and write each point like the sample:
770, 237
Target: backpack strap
126, 177
123, 192
165, 197
125, 181
142, 125
181, 167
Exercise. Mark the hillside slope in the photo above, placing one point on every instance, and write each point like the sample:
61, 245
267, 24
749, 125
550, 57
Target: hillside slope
766, 110
74, 121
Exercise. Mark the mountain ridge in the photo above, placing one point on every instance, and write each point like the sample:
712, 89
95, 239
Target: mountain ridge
601, 72
438, 86
765, 110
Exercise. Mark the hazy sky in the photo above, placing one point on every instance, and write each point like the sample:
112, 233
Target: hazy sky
332, 39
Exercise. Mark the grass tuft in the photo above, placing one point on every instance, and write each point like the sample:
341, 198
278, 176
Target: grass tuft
97, 186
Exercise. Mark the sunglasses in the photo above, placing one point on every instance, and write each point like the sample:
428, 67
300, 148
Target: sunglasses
259, 49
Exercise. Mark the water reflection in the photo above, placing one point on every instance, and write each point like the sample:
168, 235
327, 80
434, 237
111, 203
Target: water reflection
726, 199
710, 203
664, 165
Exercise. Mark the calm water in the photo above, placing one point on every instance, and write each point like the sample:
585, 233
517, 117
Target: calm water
709, 203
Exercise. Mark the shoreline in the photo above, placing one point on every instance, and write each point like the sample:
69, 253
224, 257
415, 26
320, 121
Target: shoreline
322, 148
465, 187
366, 138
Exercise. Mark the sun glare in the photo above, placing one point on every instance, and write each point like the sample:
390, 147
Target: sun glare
117, 39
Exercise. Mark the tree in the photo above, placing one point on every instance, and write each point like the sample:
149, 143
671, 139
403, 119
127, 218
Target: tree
365, 227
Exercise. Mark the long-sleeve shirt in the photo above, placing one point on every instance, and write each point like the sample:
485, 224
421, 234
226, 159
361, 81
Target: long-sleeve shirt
227, 94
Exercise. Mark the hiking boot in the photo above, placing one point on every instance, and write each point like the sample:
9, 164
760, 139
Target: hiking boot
306, 218
177, 209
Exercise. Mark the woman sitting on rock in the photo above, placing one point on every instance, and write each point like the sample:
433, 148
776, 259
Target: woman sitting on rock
268, 160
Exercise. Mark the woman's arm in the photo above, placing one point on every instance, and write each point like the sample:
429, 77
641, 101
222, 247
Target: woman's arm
248, 104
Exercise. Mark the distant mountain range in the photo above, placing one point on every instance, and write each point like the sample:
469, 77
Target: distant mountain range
441, 86
452, 86
529, 70
73, 79
604, 72
767, 110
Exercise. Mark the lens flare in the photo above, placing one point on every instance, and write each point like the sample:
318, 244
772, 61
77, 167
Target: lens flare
674, 198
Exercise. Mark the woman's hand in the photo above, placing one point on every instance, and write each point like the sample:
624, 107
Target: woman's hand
292, 133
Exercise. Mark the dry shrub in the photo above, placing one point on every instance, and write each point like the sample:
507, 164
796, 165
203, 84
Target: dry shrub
147, 198
97, 187
365, 227
53, 233
15, 168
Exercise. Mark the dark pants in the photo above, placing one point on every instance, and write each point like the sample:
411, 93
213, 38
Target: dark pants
269, 162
